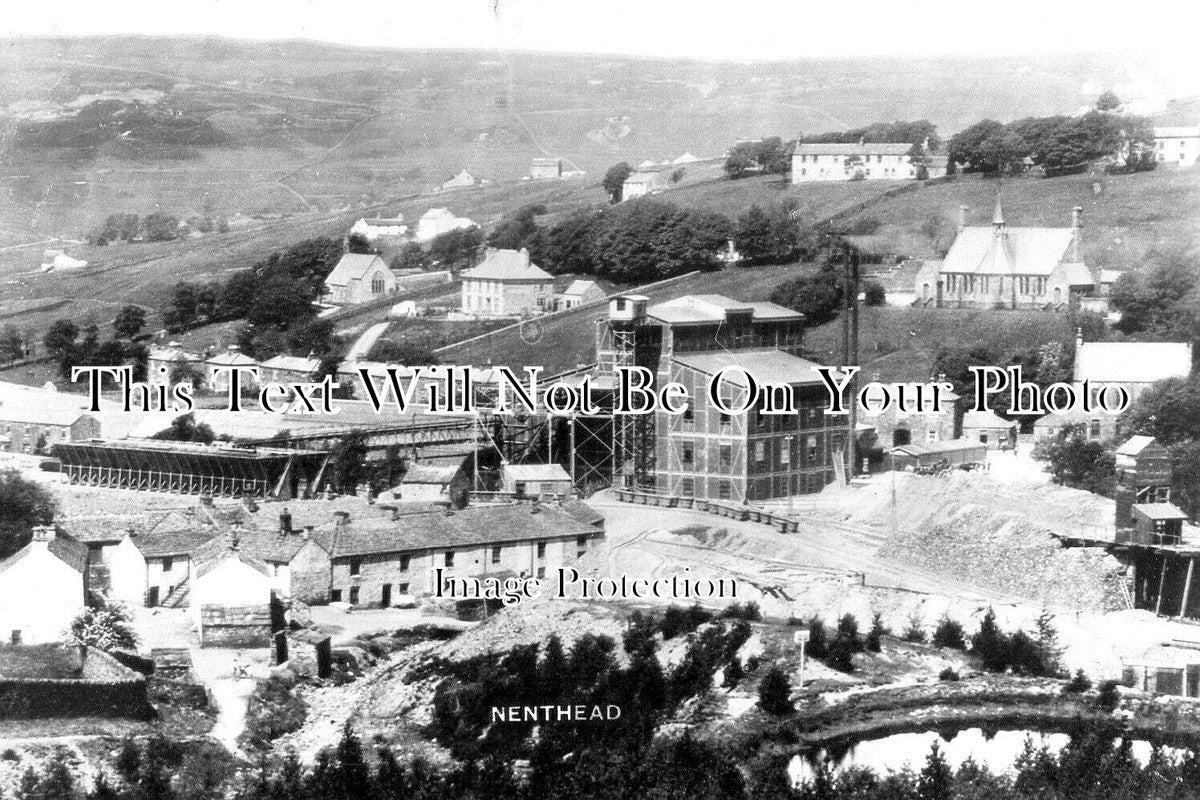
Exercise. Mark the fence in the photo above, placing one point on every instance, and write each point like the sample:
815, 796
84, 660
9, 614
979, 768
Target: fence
740, 513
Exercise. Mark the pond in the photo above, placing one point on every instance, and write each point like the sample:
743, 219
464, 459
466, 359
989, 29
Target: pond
997, 750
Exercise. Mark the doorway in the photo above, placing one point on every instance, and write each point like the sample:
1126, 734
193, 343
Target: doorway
386, 600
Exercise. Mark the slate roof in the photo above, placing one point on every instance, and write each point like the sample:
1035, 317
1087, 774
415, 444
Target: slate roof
508, 265
217, 552
1134, 445
174, 544
429, 473
1176, 131
353, 266
709, 308
765, 365
985, 419
583, 512
578, 287
293, 363
536, 472
1132, 362
934, 448
1018, 251
34, 415
467, 527
68, 551
843, 149
1160, 511
267, 545
232, 356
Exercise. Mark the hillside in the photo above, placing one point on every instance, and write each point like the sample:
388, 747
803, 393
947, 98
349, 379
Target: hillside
1130, 216
213, 126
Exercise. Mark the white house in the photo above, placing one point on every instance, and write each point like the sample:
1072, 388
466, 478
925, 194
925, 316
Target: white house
437, 221
844, 162
58, 261
460, 180
426, 483
533, 480
42, 588
373, 228
231, 596
640, 184
357, 278
1135, 366
579, 293
1177, 145
507, 283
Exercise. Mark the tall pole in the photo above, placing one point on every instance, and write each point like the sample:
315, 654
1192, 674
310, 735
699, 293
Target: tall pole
850, 349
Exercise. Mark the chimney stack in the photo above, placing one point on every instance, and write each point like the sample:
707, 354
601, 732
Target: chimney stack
306, 534
1078, 339
1077, 217
341, 518
962, 218
235, 536
285, 522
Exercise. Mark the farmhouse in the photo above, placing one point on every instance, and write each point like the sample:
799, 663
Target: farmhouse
170, 364
376, 560
358, 278
376, 228
545, 169
507, 283
577, 294
42, 587
642, 183
437, 221
231, 595
986, 427
26, 429
848, 162
1005, 267
1177, 146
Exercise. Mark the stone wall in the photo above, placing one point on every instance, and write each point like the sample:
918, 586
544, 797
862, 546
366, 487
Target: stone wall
106, 688
235, 626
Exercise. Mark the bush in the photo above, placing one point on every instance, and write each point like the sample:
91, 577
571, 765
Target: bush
876, 634
677, 620
733, 674
749, 612
774, 692
949, 633
874, 294
818, 642
272, 711
914, 632
1078, 684
948, 674
1109, 698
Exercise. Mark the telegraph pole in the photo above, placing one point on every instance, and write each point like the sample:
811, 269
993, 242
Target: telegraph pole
850, 349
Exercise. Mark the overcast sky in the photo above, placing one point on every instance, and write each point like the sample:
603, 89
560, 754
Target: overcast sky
734, 29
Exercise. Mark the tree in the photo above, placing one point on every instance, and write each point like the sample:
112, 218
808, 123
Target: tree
949, 633
25, 504
965, 145
129, 321
107, 628
1048, 650
411, 256
874, 641
1076, 461
1108, 101
990, 644
614, 181
733, 674
160, 227
1002, 153
817, 296
185, 429
936, 781
61, 338
516, 230
357, 243
775, 692
874, 294
456, 249
12, 344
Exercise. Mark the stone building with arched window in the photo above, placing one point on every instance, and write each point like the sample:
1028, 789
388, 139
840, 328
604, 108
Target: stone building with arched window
357, 278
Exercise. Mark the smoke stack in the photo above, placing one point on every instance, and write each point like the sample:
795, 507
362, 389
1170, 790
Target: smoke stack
962, 218
285, 522
1077, 217
1078, 339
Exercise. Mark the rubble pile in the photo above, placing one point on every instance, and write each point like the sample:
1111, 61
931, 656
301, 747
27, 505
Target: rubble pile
1005, 551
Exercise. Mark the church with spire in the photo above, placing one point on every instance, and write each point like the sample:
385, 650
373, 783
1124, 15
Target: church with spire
1000, 266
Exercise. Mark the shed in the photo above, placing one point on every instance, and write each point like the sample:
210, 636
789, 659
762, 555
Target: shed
1169, 668
1157, 523
953, 452
534, 480
990, 429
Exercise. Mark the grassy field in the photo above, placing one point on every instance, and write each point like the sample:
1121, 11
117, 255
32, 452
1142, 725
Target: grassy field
1129, 217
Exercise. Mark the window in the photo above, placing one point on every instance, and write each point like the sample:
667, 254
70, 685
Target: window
580, 545
687, 487
726, 455
335, 596
931, 435
519, 489
785, 454
1094, 429
541, 549
355, 566
726, 420
377, 284
402, 588
760, 452
541, 572
810, 445
687, 454
495, 555
167, 564
449, 559
404, 563
723, 490
354, 595
689, 415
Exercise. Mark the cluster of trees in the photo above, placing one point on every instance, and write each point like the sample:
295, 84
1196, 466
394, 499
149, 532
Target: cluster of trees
1075, 460
158, 226
635, 242
1048, 363
1059, 144
457, 249
14, 344
26, 504
73, 346
817, 295
1018, 651
1160, 302
773, 235
910, 132
770, 156
275, 297
108, 627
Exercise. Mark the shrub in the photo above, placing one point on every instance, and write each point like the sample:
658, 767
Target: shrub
749, 612
753, 663
949, 633
1079, 684
948, 674
874, 294
677, 620
876, 634
272, 711
914, 632
733, 674
1109, 696
774, 692
818, 643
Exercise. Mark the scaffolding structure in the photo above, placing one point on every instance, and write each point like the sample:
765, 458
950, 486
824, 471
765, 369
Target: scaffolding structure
633, 434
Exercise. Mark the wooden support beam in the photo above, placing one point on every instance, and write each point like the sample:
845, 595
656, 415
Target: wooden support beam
1187, 587
1162, 577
